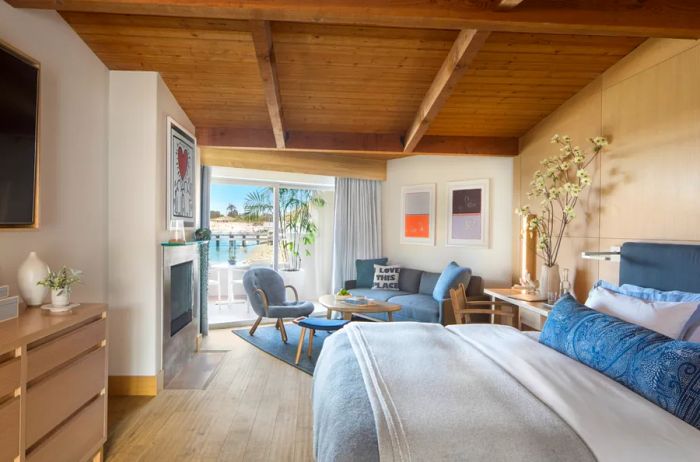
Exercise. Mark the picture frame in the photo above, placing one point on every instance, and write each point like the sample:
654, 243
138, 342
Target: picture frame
468, 213
181, 175
418, 214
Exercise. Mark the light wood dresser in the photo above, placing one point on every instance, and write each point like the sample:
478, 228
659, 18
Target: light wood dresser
53, 383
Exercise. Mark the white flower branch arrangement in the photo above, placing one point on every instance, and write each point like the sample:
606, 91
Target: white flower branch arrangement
559, 186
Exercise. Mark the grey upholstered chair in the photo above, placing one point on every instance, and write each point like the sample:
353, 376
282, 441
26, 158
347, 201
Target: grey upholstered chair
266, 292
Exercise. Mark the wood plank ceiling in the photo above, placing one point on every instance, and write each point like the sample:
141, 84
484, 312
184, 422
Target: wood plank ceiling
350, 87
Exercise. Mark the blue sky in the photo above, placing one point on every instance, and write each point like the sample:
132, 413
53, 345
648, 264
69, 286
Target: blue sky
224, 194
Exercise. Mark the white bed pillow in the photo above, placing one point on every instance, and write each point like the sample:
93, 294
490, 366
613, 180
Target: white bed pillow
667, 318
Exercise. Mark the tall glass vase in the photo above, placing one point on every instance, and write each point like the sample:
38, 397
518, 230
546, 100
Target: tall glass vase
549, 282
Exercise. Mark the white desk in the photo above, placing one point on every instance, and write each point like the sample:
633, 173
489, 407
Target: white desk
532, 314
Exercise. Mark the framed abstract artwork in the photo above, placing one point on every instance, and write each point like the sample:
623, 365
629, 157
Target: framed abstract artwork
468, 213
418, 214
181, 167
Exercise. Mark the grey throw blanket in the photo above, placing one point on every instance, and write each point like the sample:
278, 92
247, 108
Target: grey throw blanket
467, 407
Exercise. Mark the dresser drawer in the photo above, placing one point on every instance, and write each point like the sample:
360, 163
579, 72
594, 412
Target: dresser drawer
56, 397
9, 430
83, 433
47, 356
9, 376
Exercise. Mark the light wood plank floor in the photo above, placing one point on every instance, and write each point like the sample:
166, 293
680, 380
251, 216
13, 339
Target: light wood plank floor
256, 408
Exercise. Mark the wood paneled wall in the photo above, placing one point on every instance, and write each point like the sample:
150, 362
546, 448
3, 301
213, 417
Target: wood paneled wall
647, 182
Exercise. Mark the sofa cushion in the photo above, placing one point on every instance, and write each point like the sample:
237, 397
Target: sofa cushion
365, 271
418, 307
450, 278
427, 283
409, 280
377, 294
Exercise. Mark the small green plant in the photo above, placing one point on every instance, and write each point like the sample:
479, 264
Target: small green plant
62, 280
202, 234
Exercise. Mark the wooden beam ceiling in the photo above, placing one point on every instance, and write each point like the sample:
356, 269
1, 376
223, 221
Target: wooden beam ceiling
264, 51
384, 146
336, 88
649, 18
463, 52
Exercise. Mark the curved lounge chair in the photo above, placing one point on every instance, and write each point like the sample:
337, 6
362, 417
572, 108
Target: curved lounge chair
267, 294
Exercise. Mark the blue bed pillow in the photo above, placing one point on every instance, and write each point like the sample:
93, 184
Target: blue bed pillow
662, 370
365, 271
449, 278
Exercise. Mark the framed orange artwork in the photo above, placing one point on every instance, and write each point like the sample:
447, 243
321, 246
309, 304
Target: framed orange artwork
418, 214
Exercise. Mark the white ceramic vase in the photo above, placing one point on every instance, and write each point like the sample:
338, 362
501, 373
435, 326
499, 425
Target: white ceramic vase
62, 299
31, 271
550, 281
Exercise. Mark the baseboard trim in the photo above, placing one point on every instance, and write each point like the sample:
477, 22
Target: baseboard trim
135, 385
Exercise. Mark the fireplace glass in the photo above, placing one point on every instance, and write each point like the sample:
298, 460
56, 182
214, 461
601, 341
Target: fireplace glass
181, 300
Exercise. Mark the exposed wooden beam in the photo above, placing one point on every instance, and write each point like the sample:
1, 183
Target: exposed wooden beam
387, 146
649, 18
462, 53
287, 160
265, 53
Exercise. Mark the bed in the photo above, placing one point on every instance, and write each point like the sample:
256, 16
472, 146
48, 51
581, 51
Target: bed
414, 392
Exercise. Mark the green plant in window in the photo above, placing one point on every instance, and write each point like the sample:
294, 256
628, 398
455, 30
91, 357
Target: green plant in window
296, 226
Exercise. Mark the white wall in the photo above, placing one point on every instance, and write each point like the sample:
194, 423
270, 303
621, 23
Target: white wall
139, 105
73, 153
494, 263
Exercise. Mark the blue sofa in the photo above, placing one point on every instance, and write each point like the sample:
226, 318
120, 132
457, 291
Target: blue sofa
415, 294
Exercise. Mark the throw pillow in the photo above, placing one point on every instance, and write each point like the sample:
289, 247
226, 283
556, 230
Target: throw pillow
365, 271
668, 318
449, 279
386, 277
662, 370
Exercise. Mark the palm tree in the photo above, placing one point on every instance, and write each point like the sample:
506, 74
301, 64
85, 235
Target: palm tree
297, 229
232, 211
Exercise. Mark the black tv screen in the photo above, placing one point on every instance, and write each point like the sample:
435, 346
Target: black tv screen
19, 80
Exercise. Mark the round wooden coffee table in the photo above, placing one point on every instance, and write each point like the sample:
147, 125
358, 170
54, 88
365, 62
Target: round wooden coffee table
348, 309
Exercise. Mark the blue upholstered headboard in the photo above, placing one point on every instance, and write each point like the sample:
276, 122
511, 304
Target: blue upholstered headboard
661, 266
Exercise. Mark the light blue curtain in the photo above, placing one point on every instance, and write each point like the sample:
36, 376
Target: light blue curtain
357, 227
205, 196
204, 253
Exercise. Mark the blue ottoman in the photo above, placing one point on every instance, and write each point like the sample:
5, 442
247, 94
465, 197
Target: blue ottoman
314, 324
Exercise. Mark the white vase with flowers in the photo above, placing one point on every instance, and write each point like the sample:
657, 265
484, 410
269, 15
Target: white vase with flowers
558, 186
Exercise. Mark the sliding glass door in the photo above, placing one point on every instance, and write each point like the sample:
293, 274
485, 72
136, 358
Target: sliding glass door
282, 226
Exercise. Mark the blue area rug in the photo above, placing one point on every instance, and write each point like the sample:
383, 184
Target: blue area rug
268, 339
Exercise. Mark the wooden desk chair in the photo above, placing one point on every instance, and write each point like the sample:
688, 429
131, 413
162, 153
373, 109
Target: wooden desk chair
464, 308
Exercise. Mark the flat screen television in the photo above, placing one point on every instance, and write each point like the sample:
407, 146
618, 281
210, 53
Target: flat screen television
19, 93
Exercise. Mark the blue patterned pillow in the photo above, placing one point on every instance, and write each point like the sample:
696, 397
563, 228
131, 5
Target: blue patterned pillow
663, 370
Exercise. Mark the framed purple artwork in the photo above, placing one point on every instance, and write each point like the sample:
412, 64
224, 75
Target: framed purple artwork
468, 213
182, 152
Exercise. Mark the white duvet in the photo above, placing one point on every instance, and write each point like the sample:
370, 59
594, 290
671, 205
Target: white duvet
615, 423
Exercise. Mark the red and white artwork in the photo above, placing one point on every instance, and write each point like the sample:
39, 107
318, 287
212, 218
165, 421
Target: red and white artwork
181, 174
418, 214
